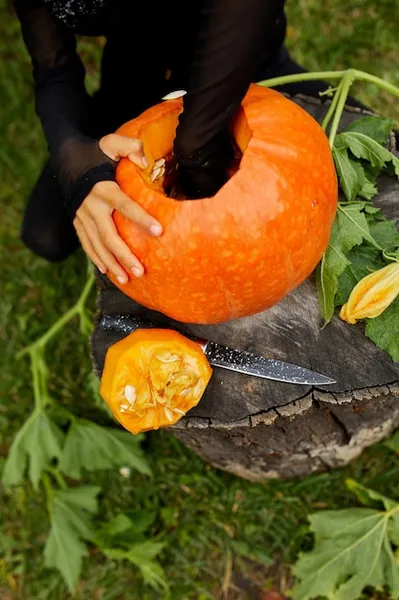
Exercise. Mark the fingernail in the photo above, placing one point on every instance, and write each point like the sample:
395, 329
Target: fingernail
137, 272
102, 270
144, 162
121, 279
156, 229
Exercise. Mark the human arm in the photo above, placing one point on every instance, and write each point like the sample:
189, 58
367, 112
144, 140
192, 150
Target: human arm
84, 166
230, 39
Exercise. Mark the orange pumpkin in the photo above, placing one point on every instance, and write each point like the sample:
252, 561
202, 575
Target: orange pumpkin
152, 377
259, 237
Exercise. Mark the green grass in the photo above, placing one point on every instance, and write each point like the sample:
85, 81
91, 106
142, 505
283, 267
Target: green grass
210, 520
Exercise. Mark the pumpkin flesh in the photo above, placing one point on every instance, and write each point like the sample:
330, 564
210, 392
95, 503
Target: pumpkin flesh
152, 378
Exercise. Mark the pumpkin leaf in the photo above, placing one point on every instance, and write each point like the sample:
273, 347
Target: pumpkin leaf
70, 511
385, 233
142, 555
369, 497
355, 215
393, 442
384, 330
89, 447
347, 174
92, 385
36, 444
377, 128
349, 229
363, 260
123, 539
364, 147
125, 529
367, 188
353, 549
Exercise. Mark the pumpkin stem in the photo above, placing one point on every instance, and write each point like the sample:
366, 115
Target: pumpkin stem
342, 95
359, 76
338, 103
332, 107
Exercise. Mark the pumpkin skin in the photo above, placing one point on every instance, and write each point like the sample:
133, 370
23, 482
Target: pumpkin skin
241, 251
152, 377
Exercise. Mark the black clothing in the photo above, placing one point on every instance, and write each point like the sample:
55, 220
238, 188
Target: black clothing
212, 48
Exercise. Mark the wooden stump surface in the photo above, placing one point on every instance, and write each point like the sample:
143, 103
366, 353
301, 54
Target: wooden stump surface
257, 428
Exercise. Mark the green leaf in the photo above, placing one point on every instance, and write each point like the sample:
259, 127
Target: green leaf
370, 497
89, 446
353, 550
349, 229
357, 224
393, 442
125, 529
384, 330
92, 384
37, 443
370, 209
368, 190
366, 148
142, 556
333, 263
251, 552
377, 128
70, 526
385, 233
366, 187
362, 260
347, 174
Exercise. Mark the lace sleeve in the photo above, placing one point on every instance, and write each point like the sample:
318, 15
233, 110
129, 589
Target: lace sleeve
62, 103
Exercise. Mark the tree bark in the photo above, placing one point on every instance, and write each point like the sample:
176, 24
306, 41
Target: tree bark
258, 429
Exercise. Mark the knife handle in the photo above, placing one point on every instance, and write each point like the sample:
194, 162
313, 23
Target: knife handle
128, 324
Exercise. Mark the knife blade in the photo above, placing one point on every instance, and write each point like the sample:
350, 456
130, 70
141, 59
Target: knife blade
228, 358
260, 366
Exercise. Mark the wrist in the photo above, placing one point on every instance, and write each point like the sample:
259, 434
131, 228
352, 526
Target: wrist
84, 185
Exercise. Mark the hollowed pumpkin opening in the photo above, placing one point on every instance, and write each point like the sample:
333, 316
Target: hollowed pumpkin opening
158, 137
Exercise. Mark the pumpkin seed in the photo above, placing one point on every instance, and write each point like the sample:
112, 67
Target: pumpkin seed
174, 95
130, 394
159, 163
157, 172
168, 414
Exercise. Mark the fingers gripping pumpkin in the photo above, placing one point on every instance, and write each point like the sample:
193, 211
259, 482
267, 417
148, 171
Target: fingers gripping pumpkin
259, 237
152, 378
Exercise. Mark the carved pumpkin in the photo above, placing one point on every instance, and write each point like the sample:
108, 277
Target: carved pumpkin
241, 251
152, 377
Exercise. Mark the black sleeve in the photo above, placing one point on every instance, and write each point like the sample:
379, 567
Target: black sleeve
231, 35
62, 103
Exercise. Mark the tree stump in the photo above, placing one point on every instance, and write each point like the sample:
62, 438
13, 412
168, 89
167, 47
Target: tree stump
259, 429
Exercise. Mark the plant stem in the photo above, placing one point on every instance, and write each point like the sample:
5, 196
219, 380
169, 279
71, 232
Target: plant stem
49, 492
77, 309
345, 86
275, 81
358, 76
86, 291
36, 380
58, 477
332, 108
385, 85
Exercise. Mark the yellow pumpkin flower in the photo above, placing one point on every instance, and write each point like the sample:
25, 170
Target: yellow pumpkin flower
372, 295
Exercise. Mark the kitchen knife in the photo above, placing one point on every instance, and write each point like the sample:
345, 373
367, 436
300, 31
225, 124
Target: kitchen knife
229, 358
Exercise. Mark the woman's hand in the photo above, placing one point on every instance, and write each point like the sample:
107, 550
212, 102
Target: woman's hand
93, 221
